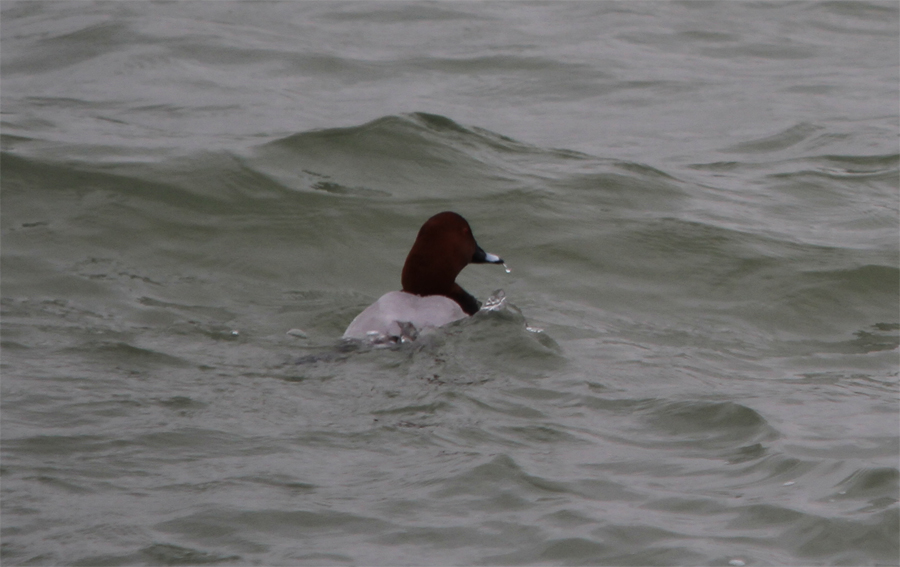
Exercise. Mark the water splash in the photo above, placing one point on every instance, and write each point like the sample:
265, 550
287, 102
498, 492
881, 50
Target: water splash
495, 302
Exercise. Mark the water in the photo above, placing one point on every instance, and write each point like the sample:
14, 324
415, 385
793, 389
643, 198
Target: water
696, 361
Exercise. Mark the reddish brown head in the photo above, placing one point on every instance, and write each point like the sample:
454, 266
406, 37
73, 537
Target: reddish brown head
444, 247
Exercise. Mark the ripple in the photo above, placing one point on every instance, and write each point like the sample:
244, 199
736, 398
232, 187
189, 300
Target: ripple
707, 425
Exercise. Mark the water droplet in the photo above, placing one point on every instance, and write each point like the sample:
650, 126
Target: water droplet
234, 333
737, 562
788, 483
505, 267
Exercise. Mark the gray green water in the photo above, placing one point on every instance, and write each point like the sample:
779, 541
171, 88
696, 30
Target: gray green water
698, 202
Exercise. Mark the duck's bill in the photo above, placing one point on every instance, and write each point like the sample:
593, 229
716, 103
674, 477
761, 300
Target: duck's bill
482, 257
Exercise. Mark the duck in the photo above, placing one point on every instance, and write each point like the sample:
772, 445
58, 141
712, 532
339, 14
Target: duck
430, 296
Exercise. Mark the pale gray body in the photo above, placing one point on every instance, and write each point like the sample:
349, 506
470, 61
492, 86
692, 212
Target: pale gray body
390, 315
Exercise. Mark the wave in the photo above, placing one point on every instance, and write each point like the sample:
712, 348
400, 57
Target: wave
422, 153
632, 224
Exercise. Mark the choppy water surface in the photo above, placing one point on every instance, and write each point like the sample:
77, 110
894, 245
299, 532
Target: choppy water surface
698, 201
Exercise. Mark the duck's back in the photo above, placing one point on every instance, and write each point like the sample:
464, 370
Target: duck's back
394, 308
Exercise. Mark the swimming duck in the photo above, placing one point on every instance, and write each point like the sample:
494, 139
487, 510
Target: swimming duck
430, 296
